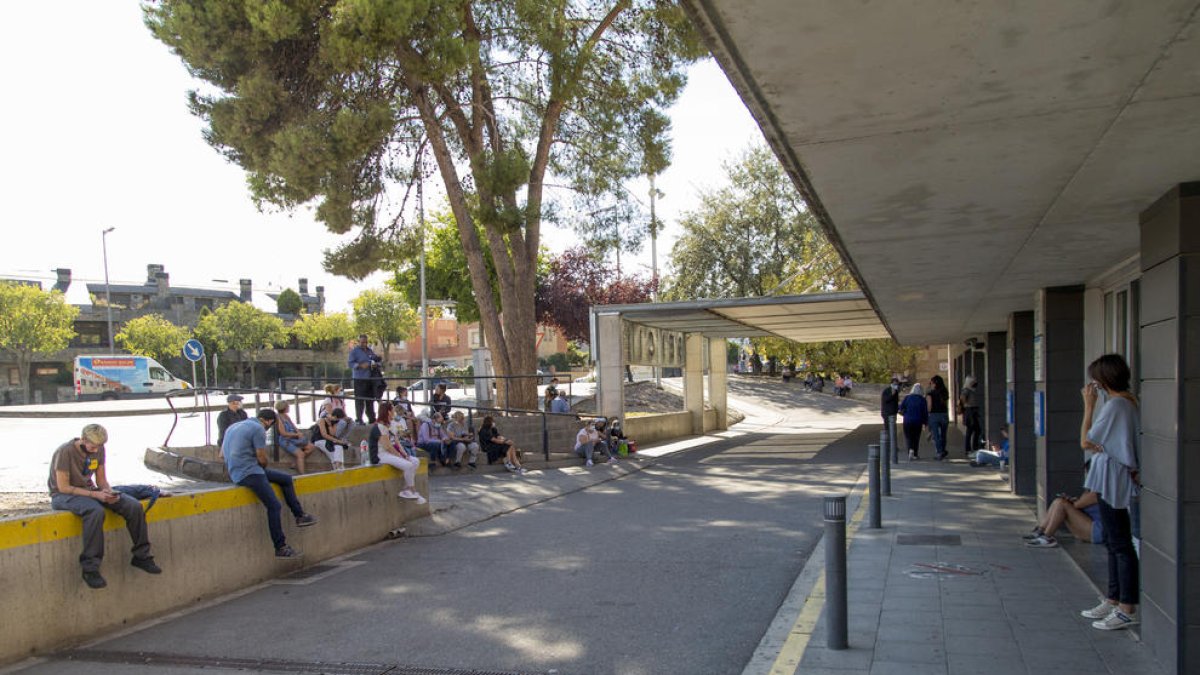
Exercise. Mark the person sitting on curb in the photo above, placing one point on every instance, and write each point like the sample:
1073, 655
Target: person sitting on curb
79, 484
560, 404
1081, 516
229, 416
329, 436
997, 455
387, 448
586, 441
497, 446
462, 440
289, 438
431, 438
246, 459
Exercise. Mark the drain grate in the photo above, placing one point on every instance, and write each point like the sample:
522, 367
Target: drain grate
928, 540
264, 665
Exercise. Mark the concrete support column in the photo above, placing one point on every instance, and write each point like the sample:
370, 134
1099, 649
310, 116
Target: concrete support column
996, 394
1169, 338
693, 380
1022, 445
610, 366
718, 387
1058, 375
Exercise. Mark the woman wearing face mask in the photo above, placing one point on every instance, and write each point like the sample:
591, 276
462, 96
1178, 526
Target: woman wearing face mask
939, 414
1110, 434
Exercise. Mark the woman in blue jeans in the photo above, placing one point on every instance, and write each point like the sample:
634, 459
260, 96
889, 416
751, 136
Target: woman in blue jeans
939, 414
1110, 435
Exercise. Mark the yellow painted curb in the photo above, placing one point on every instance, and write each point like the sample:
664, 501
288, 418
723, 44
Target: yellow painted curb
792, 651
48, 527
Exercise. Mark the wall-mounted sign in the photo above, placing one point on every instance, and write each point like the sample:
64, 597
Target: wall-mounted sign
1039, 414
647, 346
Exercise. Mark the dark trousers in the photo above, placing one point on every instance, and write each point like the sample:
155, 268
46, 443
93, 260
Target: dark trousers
92, 512
364, 394
974, 431
1122, 558
438, 453
912, 434
260, 484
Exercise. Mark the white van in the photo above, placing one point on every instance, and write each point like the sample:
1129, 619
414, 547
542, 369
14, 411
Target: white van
115, 376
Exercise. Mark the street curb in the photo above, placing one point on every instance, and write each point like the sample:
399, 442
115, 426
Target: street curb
799, 611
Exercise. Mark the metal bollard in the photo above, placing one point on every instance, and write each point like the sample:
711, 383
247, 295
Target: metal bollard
893, 446
876, 505
885, 465
837, 616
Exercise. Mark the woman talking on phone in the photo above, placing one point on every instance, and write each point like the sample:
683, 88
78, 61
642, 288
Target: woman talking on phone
1111, 434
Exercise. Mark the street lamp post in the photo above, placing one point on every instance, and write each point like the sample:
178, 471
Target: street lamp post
107, 290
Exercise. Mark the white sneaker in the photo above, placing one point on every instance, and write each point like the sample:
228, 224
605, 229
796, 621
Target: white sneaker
1100, 611
521, 470
1043, 541
421, 500
409, 494
589, 463
612, 460
911, 455
1117, 620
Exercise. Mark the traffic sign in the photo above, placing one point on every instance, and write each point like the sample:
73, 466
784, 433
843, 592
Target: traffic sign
193, 351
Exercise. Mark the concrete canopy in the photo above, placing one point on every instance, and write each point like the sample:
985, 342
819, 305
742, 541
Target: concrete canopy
962, 155
817, 317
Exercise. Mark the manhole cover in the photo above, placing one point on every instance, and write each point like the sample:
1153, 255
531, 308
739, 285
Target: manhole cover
942, 570
928, 540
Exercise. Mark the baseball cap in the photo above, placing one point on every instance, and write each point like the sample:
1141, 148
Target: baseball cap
233, 397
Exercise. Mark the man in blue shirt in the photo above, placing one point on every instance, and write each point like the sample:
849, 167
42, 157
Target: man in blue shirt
245, 450
366, 387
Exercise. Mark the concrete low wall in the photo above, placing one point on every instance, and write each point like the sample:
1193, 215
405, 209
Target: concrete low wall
208, 544
647, 429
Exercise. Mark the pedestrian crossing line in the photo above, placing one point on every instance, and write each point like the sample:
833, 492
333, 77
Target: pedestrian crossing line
793, 648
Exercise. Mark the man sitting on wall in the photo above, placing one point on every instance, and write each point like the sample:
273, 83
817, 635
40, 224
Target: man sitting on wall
79, 484
229, 416
245, 451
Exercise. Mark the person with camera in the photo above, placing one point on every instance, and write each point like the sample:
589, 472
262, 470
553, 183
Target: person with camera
79, 484
362, 362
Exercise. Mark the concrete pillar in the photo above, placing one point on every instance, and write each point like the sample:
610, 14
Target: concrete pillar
978, 367
1022, 445
693, 380
718, 387
610, 366
1169, 338
996, 394
1058, 376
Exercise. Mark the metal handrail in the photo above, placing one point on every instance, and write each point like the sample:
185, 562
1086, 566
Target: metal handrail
430, 381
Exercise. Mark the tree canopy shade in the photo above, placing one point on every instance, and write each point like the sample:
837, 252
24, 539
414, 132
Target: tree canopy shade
244, 329
154, 336
289, 302
385, 318
333, 103
574, 282
33, 321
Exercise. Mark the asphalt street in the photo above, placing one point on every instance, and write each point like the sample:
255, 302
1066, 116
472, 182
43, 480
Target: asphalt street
677, 568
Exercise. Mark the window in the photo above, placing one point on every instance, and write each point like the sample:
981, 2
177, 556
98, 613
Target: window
14, 377
473, 338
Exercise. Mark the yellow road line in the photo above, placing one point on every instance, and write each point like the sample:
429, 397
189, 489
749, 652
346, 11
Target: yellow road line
798, 637
48, 527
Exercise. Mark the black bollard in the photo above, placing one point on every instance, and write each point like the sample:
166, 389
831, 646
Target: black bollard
837, 615
892, 449
885, 465
876, 505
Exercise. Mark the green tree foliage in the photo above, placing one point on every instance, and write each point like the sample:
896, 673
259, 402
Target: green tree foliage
385, 317
446, 276
154, 336
331, 103
245, 330
33, 321
750, 235
866, 360
289, 302
324, 332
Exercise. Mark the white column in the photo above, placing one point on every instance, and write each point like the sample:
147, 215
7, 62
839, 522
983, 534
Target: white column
717, 386
610, 367
693, 380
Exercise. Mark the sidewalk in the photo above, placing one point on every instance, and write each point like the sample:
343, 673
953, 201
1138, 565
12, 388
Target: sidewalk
973, 600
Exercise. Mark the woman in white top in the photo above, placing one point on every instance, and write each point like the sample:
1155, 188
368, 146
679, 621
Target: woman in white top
333, 400
386, 447
1111, 436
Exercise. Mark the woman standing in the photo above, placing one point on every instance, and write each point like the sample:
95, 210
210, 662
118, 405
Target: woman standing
968, 405
939, 414
916, 416
1111, 435
389, 449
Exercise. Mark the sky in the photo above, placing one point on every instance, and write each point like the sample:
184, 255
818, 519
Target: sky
96, 133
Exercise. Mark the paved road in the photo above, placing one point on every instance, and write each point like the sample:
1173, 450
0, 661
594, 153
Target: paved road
678, 568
